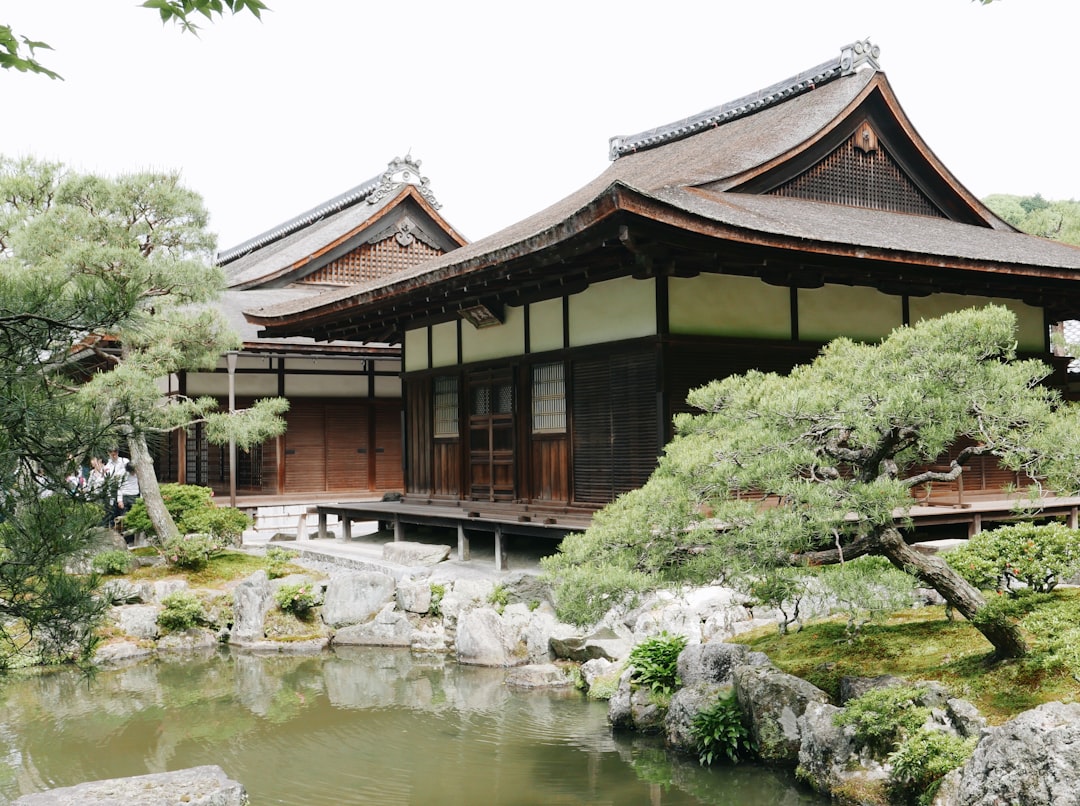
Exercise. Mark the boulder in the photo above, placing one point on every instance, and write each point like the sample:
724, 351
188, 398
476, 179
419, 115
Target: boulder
405, 553
539, 675
195, 640
829, 759
122, 592
138, 621
687, 703
252, 598
634, 708
593, 670
1031, 759
603, 643
414, 596
714, 662
484, 640
772, 702
429, 638
120, 652
166, 587
356, 598
853, 687
389, 628
195, 786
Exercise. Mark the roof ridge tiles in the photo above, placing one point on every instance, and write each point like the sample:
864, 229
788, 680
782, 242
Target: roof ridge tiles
852, 58
398, 172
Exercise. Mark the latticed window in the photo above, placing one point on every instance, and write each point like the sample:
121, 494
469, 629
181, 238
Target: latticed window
197, 459
549, 399
856, 178
446, 406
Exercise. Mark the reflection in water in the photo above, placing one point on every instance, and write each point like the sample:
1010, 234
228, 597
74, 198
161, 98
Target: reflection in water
366, 726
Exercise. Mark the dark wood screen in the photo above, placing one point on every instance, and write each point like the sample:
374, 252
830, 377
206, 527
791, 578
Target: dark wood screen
615, 423
389, 474
418, 421
859, 178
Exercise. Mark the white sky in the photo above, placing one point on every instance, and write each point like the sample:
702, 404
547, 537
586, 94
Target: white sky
510, 105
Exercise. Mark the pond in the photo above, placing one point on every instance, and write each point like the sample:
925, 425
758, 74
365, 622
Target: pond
369, 726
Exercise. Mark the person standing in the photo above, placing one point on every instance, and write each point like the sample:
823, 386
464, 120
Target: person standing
115, 475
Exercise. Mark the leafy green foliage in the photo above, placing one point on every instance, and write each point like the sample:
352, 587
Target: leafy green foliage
277, 561
813, 467
298, 599
438, 591
191, 552
656, 663
181, 611
719, 733
1037, 556
192, 508
867, 589
18, 52
884, 717
115, 562
922, 760
499, 598
1059, 220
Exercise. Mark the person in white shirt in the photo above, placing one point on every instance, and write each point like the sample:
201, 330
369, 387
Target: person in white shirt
115, 474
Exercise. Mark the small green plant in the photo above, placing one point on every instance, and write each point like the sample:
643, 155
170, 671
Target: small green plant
277, 561
437, 593
225, 523
182, 611
299, 599
604, 687
191, 552
115, 562
719, 733
499, 598
884, 717
656, 661
1035, 556
922, 760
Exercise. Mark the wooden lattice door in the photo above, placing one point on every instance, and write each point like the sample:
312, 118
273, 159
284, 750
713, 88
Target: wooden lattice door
491, 436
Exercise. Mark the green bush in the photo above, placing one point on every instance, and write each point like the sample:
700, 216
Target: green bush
655, 662
193, 510
115, 562
499, 598
884, 717
297, 599
182, 611
437, 593
191, 552
277, 561
1038, 556
719, 733
866, 590
922, 760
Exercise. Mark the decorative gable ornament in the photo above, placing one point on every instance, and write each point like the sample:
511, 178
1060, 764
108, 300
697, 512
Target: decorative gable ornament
399, 172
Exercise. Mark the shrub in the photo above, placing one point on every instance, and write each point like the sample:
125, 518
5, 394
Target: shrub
297, 599
182, 611
655, 662
277, 561
884, 717
193, 510
866, 590
115, 562
922, 760
1037, 556
191, 552
437, 593
719, 733
499, 598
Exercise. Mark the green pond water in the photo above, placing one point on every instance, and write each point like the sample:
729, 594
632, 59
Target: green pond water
369, 726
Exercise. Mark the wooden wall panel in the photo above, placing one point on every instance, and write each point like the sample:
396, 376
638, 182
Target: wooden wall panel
305, 447
419, 479
389, 475
550, 469
347, 438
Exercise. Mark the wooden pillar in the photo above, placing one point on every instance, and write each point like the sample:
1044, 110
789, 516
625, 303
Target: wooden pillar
463, 553
399, 528
500, 549
322, 525
1073, 517
346, 526
975, 526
